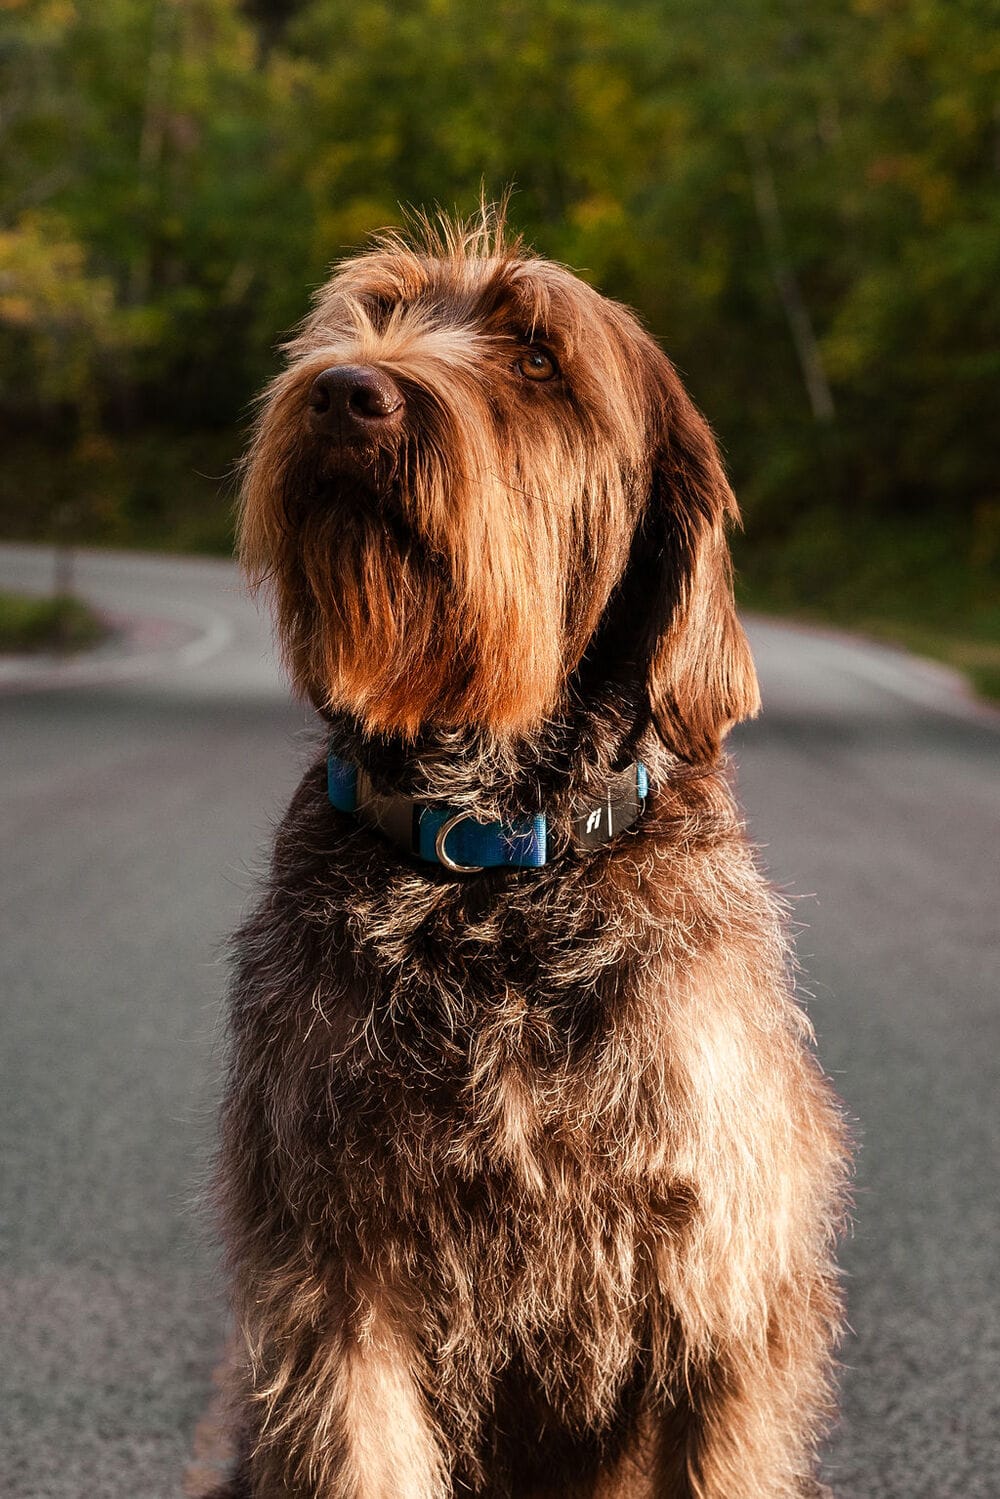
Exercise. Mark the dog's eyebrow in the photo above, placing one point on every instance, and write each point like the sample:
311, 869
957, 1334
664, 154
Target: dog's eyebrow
532, 295
510, 307
492, 299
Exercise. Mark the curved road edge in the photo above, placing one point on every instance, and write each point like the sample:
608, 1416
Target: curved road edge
182, 616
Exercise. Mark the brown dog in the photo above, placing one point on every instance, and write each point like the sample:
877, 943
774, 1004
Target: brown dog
530, 1177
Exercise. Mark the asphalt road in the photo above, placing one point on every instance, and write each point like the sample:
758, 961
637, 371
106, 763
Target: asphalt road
139, 788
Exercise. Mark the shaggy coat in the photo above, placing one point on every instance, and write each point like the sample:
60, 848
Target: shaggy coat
531, 1181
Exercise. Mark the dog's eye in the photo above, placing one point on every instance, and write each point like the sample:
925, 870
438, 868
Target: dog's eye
537, 363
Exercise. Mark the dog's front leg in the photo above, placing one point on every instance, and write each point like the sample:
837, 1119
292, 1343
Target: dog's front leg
336, 1402
736, 1434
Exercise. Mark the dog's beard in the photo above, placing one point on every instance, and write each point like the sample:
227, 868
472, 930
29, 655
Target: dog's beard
405, 629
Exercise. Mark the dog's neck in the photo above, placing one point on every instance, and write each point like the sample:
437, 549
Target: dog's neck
572, 756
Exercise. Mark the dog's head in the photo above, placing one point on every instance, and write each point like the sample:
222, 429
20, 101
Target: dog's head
473, 468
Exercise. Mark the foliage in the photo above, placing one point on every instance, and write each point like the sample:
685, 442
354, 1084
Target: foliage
800, 197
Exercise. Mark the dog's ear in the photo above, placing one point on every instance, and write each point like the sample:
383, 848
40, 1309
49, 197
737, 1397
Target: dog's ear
700, 675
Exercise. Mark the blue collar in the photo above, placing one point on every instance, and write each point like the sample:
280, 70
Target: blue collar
451, 837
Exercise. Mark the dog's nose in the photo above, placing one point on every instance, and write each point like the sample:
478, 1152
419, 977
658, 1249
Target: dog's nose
354, 396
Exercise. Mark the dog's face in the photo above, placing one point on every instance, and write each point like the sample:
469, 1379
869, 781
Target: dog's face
471, 461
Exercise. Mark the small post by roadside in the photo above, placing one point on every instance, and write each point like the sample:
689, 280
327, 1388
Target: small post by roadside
64, 521
64, 560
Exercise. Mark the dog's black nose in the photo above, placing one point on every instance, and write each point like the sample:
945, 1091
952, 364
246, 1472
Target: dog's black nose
354, 396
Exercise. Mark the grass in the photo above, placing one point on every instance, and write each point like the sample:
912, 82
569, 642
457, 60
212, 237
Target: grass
61, 624
913, 584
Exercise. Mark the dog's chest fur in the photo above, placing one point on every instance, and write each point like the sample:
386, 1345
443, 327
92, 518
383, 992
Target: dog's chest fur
494, 1093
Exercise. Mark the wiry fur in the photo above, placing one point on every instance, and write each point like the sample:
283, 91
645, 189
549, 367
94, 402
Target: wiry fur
531, 1180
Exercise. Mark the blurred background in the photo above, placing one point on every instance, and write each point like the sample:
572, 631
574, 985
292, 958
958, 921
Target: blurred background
799, 196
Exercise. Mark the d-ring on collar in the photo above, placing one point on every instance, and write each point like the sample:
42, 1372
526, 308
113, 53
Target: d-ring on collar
440, 846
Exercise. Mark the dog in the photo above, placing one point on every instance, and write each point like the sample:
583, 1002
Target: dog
531, 1181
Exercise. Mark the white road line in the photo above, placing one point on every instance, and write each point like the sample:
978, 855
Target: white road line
218, 634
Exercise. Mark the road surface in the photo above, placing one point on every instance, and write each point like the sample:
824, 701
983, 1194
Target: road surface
140, 787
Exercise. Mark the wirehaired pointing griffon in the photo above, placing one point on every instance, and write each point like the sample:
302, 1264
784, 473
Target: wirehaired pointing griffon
530, 1178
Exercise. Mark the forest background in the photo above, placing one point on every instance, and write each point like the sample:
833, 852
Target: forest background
799, 197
